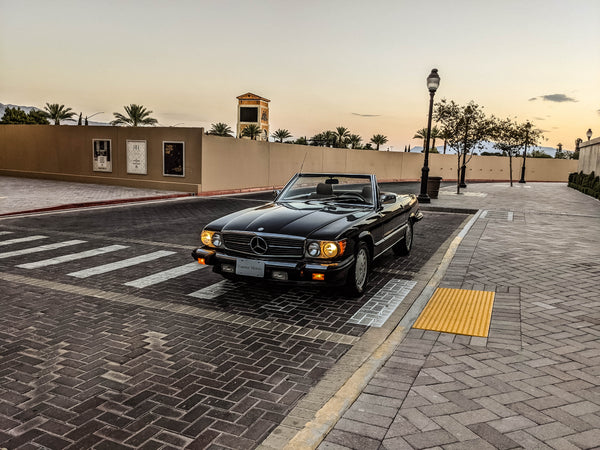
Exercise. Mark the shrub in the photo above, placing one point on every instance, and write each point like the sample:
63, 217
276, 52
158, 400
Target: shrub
589, 184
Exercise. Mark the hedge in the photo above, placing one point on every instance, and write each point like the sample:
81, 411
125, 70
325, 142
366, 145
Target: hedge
588, 184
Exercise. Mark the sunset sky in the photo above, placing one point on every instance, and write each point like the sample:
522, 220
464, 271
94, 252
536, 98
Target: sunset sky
322, 64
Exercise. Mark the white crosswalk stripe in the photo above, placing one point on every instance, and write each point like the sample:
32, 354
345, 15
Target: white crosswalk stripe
165, 275
214, 290
41, 248
23, 239
71, 257
120, 264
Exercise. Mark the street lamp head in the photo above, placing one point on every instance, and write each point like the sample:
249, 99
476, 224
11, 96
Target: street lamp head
433, 81
589, 133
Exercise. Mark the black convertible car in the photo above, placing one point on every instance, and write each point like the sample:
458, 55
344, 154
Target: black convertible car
321, 228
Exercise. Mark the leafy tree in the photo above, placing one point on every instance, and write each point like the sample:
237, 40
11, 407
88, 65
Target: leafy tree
466, 129
539, 154
16, 116
341, 136
136, 115
301, 141
58, 112
355, 141
281, 134
220, 129
379, 139
510, 137
37, 117
252, 131
368, 146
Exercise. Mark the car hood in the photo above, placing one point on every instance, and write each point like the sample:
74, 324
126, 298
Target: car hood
297, 219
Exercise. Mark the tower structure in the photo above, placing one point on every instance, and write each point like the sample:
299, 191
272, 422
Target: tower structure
253, 110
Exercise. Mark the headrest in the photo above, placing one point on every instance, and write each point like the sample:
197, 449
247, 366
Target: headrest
324, 189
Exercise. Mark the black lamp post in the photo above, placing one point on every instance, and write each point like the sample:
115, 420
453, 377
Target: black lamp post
527, 127
589, 133
433, 82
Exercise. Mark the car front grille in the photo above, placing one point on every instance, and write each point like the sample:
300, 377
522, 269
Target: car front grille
277, 246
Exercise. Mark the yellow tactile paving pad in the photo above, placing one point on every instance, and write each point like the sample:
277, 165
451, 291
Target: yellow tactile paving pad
458, 311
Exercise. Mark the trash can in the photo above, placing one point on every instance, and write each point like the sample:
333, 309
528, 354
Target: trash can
433, 186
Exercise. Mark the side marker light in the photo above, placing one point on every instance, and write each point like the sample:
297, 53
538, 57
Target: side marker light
318, 277
202, 261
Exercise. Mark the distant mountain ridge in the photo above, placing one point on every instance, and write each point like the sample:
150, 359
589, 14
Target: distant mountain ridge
27, 109
489, 147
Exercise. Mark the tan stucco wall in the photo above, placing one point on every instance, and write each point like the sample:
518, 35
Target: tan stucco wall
231, 164
589, 157
65, 153
215, 163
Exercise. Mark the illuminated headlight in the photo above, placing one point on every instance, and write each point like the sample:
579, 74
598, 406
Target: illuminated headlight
211, 238
326, 249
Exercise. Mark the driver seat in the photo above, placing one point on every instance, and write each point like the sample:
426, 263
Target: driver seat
324, 190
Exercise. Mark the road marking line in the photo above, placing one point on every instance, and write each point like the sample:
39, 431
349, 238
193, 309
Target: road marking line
511, 216
23, 239
165, 275
120, 264
41, 248
214, 290
382, 305
2, 233
71, 257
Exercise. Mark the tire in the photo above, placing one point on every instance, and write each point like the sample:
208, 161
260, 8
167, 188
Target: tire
358, 278
404, 247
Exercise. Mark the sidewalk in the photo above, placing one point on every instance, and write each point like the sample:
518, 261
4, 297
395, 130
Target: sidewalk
534, 382
27, 194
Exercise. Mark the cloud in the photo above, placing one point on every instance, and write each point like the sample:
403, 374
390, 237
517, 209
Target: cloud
367, 115
557, 98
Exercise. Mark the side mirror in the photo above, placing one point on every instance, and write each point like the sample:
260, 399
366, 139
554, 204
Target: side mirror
387, 198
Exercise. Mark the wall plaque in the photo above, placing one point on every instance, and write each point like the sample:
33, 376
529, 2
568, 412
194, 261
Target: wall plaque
102, 158
137, 157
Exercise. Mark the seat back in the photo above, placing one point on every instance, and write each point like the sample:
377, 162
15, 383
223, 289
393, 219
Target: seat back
324, 189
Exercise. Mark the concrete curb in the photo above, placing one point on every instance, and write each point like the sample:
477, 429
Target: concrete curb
97, 203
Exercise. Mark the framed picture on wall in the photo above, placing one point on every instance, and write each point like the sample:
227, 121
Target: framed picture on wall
102, 157
173, 159
137, 157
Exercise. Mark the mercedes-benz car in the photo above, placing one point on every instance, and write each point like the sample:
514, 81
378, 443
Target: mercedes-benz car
322, 228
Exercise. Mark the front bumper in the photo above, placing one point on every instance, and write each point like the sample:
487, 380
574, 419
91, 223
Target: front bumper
332, 273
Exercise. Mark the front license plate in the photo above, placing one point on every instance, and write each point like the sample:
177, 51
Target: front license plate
250, 268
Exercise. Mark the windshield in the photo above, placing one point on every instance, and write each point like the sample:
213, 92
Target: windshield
335, 188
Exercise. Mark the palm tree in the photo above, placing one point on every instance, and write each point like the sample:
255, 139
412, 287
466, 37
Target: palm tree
341, 134
355, 141
252, 131
220, 129
281, 134
422, 134
379, 139
136, 115
330, 137
58, 112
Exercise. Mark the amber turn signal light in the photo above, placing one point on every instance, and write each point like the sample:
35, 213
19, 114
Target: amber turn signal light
201, 261
318, 277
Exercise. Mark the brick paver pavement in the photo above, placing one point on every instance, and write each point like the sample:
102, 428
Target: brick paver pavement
535, 381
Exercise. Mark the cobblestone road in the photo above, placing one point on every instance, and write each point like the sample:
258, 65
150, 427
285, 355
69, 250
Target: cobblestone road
112, 337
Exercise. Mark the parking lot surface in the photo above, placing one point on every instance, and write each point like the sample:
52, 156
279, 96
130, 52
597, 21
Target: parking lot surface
114, 338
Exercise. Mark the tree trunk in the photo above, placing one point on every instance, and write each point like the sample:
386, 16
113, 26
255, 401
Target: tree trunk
510, 166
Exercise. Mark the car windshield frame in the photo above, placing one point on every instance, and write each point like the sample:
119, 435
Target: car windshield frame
331, 188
